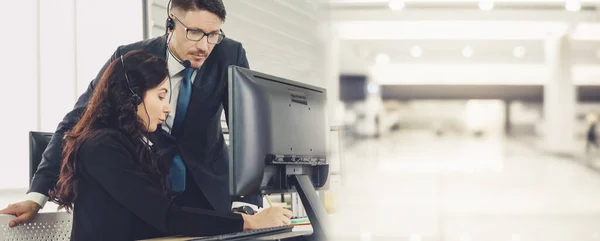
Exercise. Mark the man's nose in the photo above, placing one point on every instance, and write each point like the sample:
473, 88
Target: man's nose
203, 44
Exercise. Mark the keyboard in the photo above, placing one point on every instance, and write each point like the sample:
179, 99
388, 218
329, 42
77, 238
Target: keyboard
248, 234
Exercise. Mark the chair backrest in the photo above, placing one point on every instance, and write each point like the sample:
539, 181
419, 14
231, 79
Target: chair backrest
38, 141
52, 226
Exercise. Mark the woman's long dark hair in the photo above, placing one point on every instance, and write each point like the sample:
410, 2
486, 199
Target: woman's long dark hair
112, 106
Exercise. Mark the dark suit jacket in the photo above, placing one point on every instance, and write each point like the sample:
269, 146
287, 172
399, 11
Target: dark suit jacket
116, 200
201, 146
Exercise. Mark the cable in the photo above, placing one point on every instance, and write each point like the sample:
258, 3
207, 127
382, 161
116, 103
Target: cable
148, 127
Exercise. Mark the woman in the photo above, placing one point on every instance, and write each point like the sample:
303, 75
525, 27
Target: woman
110, 176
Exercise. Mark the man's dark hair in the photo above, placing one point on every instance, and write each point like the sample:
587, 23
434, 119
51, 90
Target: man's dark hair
213, 6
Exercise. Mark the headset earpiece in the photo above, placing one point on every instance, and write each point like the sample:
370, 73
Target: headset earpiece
137, 100
170, 24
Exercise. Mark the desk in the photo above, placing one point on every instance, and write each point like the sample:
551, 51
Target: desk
297, 231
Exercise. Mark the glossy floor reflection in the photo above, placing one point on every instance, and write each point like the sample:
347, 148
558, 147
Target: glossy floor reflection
416, 186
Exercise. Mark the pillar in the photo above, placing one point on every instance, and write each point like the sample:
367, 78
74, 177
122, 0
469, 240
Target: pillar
559, 98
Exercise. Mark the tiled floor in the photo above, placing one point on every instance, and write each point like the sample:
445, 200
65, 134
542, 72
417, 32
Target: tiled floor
415, 186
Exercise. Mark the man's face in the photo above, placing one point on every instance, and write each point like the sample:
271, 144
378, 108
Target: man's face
197, 21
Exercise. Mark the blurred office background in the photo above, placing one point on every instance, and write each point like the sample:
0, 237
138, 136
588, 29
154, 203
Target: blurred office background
451, 120
467, 120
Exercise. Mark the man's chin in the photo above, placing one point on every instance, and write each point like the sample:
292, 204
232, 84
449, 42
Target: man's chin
197, 64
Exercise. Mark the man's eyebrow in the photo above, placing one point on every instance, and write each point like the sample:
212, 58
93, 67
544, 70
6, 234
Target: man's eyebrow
199, 29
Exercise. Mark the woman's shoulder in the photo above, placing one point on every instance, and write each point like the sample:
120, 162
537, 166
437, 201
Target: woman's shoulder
105, 137
105, 147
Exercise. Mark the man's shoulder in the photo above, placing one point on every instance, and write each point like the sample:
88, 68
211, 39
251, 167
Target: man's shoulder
227, 51
230, 43
156, 46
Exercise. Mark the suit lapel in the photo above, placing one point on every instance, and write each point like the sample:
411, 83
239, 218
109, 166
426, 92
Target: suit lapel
205, 85
210, 68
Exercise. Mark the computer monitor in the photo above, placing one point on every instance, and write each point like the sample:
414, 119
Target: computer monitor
278, 139
38, 141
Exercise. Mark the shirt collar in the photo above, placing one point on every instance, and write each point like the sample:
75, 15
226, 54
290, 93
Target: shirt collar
174, 66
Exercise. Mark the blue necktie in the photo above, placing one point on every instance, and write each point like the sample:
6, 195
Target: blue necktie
176, 178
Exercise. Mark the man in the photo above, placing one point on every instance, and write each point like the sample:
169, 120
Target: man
191, 136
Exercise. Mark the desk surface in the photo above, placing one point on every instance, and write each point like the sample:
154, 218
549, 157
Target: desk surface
296, 231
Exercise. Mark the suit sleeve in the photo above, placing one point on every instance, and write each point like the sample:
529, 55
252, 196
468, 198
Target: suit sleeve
107, 162
48, 170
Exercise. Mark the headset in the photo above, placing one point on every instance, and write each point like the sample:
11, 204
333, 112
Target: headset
137, 100
170, 25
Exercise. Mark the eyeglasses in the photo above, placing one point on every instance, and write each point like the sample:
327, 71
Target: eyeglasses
197, 34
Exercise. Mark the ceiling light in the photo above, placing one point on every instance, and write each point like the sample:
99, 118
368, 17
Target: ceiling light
519, 52
382, 59
573, 5
416, 51
396, 5
486, 5
467, 51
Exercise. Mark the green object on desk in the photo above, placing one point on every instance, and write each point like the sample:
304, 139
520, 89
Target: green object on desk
300, 220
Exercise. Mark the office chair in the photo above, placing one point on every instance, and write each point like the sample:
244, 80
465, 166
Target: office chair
47, 226
37, 144
52, 226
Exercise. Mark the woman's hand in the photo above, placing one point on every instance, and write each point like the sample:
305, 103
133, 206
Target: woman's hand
267, 218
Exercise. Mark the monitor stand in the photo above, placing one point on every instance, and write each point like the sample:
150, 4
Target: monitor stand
313, 206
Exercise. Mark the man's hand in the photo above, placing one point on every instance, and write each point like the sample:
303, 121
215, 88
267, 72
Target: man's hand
24, 211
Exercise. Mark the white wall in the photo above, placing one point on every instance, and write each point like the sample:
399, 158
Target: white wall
57, 61
19, 70
283, 38
100, 31
52, 55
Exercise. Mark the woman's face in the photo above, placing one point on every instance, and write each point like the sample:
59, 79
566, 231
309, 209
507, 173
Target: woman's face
156, 106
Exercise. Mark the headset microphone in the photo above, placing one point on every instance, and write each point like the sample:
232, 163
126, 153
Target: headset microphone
186, 63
